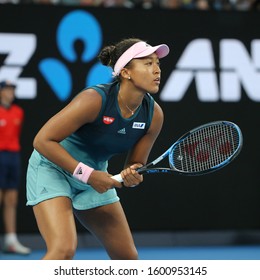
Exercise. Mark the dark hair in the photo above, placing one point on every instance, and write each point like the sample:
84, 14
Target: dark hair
110, 54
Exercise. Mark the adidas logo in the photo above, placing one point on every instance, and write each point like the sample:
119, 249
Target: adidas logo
122, 131
79, 171
44, 191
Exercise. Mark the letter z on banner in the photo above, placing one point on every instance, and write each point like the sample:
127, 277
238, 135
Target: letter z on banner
18, 49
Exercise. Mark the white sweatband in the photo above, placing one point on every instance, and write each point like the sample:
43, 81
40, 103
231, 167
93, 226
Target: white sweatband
82, 172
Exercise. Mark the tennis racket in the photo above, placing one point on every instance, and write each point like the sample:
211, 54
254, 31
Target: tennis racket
202, 150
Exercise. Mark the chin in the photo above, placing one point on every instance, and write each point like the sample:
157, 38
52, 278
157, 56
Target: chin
153, 90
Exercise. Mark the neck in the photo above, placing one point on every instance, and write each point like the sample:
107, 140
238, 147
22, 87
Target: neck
5, 104
129, 106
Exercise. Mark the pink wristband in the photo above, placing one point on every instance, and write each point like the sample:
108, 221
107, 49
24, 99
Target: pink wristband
82, 172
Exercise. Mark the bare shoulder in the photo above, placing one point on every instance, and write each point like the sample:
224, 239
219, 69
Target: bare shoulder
158, 116
88, 96
157, 120
88, 103
158, 112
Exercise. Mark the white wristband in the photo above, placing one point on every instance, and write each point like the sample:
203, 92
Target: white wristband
82, 172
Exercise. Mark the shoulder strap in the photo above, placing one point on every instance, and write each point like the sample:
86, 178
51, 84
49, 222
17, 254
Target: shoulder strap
150, 102
104, 90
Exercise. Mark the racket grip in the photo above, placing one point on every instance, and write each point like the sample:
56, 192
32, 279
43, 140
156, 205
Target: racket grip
117, 178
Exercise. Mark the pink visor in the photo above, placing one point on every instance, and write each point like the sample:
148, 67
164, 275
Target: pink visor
138, 50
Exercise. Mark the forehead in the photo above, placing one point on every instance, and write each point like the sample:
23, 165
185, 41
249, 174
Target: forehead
7, 89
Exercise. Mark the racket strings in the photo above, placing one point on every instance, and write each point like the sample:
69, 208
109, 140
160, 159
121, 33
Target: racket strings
205, 148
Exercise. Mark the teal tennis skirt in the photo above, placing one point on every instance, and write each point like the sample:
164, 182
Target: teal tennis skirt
46, 180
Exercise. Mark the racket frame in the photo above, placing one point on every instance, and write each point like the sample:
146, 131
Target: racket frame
146, 169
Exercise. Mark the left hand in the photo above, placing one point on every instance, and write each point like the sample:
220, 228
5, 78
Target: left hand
130, 176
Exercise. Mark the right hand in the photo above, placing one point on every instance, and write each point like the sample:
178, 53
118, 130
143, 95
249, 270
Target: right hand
101, 181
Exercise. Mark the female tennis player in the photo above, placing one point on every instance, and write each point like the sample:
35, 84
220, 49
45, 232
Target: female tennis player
67, 171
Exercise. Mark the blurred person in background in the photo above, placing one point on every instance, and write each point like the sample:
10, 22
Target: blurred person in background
146, 4
11, 120
9, 1
171, 4
202, 5
89, 3
117, 4
48, 2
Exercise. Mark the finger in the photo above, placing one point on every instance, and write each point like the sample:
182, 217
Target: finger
136, 166
131, 176
130, 180
136, 177
116, 184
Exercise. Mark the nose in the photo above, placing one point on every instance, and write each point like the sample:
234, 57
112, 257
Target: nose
157, 69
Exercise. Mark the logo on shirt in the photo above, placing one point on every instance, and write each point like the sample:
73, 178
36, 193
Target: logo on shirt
108, 120
122, 131
79, 171
44, 191
138, 125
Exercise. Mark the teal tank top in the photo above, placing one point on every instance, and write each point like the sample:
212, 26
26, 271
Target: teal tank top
110, 134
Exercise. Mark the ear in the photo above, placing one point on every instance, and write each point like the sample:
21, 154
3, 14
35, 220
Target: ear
125, 73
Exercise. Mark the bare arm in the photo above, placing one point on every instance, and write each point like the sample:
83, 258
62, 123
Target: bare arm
81, 110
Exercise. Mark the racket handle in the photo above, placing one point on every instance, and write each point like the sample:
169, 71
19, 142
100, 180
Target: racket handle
117, 178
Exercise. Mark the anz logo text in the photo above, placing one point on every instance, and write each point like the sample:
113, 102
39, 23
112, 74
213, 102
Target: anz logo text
237, 70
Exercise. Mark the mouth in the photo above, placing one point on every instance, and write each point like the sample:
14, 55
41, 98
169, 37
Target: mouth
157, 80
